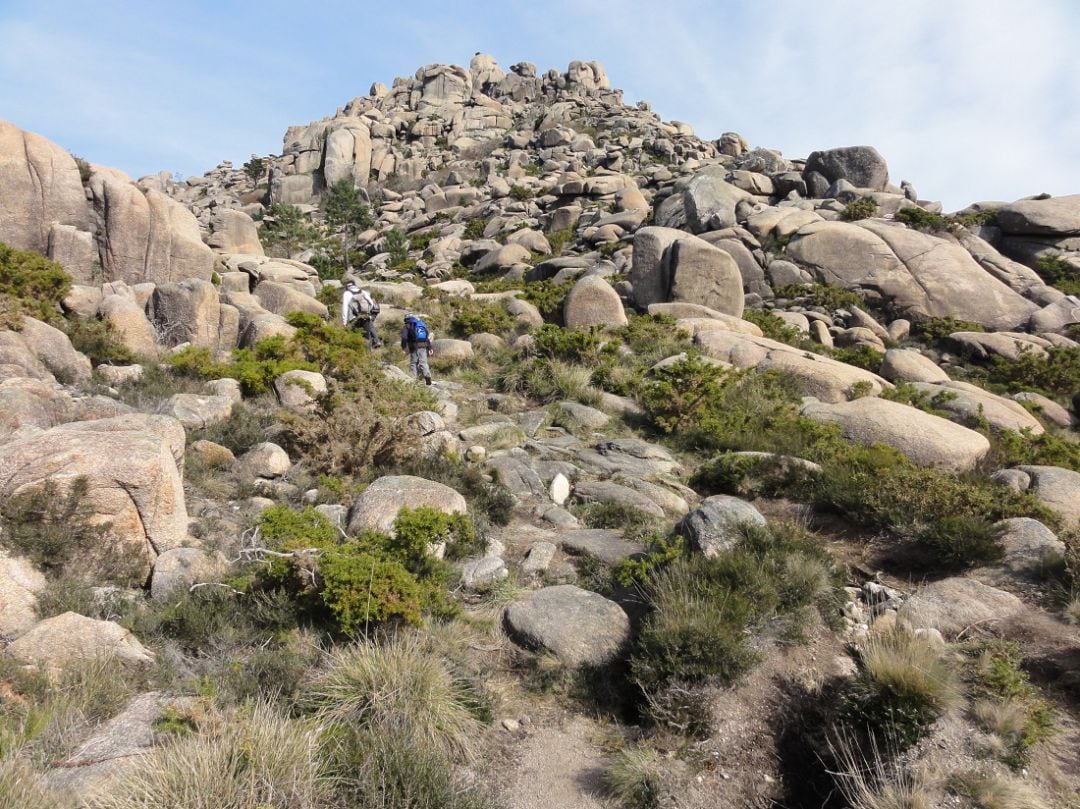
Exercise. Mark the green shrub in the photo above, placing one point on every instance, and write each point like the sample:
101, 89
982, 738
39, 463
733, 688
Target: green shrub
548, 297
97, 339
474, 229
877, 487
245, 427
55, 531
1057, 373
397, 244
961, 541
1059, 272
922, 219
863, 356
569, 345
362, 588
773, 326
703, 610
859, 209
903, 685
1010, 448
30, 284
938, 328
471, 318
827, 296
521, 192
286, 230
558, 240
660, 550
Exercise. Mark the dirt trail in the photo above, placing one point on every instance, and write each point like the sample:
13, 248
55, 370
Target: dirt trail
559, 766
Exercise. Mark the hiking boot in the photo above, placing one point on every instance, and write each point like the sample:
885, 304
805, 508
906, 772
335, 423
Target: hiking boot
427, 380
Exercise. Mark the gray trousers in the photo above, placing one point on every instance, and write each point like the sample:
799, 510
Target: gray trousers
418, 363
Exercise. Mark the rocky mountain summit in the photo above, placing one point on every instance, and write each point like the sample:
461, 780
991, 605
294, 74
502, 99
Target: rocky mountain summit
744, 480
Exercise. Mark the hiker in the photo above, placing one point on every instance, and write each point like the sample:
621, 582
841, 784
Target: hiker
359, 309
416, 339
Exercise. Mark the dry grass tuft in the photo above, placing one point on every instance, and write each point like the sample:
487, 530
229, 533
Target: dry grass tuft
635, 777
869, 779
988, 791
258, 760
401, 687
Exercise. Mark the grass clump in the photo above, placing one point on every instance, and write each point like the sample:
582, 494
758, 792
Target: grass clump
634, 777
400, 686
1006, 703
959, 541
257, 759
904, 684
21, 788
989, 791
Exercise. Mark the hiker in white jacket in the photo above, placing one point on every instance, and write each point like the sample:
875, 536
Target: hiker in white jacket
359, 310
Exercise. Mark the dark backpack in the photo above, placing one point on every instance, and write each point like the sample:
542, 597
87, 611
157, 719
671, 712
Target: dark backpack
374, 309
418, 331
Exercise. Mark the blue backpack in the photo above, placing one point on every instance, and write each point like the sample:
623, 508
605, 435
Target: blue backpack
418, 331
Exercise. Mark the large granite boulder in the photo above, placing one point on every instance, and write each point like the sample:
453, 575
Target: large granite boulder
921, 275
133, 482
862, 166
718, 523
41, 186
593, 302
952, 605
378, 505
70, 638
577, 626
926, 439
148, 235
233, 231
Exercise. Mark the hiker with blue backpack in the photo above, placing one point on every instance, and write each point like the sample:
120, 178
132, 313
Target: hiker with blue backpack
416, 338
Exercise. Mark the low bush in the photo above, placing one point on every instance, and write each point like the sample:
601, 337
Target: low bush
903, 685
55, 532
474, 229
827, 296
859, 209
1056, 374
1059, 272
370, 580
521, 192
30, 284
922, 219
960, 541
863, 356
703, 610
773, 326
938, 328
471, 318
97, 339
633, 522
487, 499
569, 345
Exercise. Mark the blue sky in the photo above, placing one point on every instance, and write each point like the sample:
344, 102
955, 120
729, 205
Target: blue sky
967, 99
